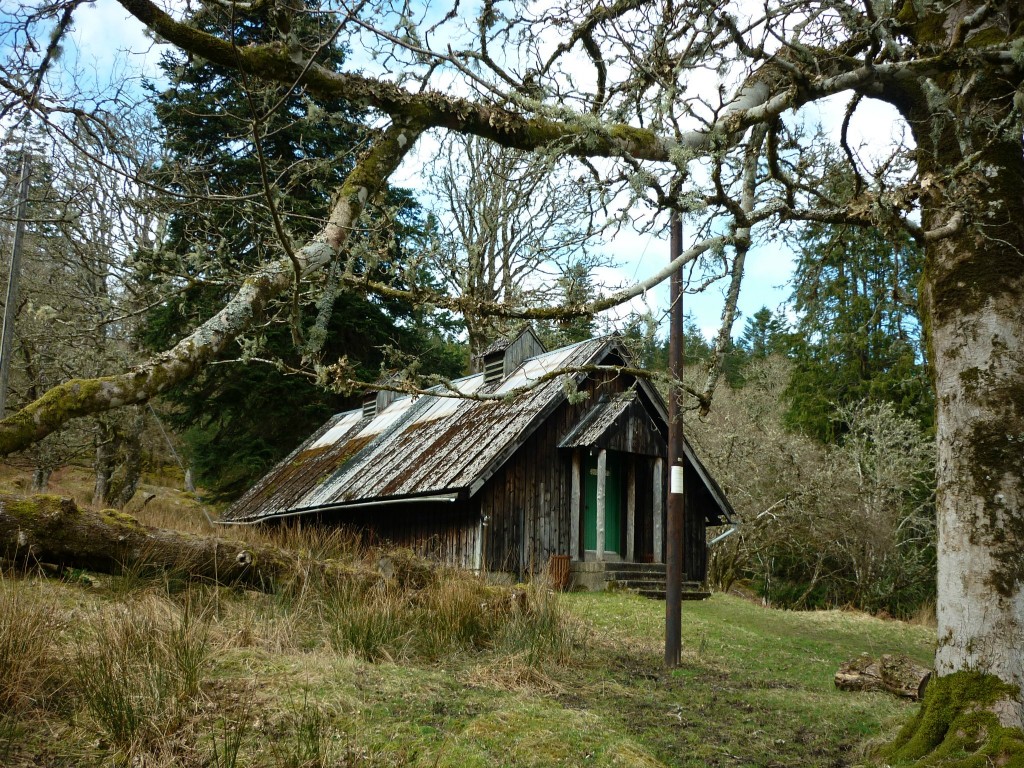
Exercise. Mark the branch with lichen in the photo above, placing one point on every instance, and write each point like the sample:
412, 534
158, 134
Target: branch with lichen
82, 397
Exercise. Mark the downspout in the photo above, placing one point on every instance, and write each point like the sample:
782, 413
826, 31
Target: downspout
725, 535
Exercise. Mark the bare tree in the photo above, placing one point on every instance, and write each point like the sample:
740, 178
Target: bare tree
515, 228
847, 524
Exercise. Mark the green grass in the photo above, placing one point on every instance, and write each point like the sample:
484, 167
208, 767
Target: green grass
222, 678
755, 685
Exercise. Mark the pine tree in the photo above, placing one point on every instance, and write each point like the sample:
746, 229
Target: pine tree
233, 150
765, 333
857, 337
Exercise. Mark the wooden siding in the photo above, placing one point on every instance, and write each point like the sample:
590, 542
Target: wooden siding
523, 347
637, 435
447, 532
644, 533
695, 548
527, 502
696, 501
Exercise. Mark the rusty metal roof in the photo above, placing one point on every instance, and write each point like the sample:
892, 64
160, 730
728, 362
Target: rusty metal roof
599, 420
418, 445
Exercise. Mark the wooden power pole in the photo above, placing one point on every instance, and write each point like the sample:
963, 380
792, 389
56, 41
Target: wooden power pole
11, 305
674, 525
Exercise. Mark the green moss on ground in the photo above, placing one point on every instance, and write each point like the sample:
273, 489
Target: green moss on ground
956, 726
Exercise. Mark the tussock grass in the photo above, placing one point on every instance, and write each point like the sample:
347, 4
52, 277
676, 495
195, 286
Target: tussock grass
925, 615
417, 612
25, 654
137, 673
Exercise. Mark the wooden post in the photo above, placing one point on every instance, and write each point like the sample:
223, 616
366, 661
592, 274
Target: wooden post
657, 500
602, 473
675, 526
575, 508
630, 512
478, 555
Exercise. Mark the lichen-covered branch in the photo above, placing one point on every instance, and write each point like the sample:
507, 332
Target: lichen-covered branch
767, 93
741, 245
81, 397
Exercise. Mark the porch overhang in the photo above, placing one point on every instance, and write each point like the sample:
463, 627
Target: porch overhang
620, 423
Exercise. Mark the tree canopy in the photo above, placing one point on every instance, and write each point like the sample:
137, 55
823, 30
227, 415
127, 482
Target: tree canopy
226, 139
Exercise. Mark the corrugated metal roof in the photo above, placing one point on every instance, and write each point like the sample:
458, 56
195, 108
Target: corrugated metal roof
417, 445
598, 420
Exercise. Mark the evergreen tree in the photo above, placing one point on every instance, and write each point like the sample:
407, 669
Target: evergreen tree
696, 349
764, 333
857, 337
575, 286
234, 150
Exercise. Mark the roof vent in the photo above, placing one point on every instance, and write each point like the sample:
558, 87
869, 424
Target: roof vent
502, 357
375, 402
494, 367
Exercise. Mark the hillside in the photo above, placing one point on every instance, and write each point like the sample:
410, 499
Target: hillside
432, 669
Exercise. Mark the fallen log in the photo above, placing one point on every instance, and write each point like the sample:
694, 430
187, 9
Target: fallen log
894, 673
50, 530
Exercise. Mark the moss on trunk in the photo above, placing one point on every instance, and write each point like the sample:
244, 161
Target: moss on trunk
957, 725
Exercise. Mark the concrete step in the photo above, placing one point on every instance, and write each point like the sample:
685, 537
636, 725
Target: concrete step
642, 567
639, 583
634, 576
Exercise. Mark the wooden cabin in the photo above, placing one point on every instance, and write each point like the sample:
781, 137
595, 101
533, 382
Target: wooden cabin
505, 472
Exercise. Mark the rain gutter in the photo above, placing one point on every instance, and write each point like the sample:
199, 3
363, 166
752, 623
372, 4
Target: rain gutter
438, 497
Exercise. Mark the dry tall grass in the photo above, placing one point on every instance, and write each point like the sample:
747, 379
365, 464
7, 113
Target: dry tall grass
27, 623
137, 658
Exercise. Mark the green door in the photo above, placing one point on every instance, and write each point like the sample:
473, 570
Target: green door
612, 521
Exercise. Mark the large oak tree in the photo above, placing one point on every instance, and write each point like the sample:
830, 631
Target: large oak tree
696, 106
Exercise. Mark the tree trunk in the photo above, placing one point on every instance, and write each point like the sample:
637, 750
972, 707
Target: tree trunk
972, 300
124, 489
41, 478
50, 530
104, 461
897, 674
970, 166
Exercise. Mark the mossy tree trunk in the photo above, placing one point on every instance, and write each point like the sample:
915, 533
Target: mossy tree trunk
968, 133
974, 299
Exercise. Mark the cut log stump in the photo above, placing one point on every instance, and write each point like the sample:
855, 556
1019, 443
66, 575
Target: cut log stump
894, 673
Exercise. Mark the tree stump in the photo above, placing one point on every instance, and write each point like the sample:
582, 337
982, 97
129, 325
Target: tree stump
894, 673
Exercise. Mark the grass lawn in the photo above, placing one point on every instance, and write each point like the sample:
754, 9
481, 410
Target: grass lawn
755, 684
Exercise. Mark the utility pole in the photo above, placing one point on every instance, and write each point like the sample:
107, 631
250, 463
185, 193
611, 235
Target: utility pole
674, 526
11, 305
